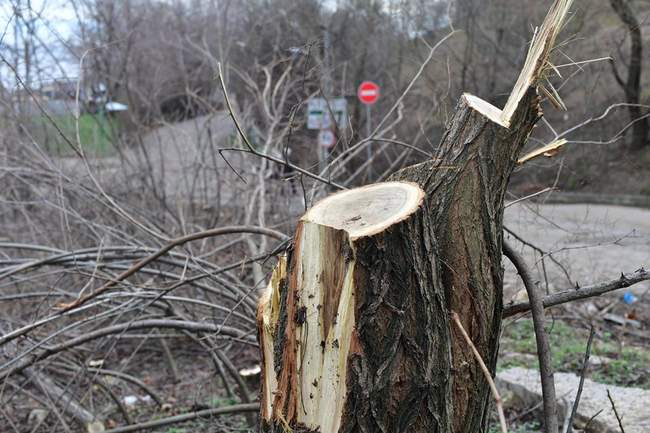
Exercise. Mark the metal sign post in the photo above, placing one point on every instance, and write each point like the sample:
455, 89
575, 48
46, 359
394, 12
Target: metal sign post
369, 145
368, 94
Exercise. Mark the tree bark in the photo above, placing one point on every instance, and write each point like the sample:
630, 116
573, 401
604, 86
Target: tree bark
355, 328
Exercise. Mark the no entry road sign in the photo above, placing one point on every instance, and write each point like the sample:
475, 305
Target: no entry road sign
368, 92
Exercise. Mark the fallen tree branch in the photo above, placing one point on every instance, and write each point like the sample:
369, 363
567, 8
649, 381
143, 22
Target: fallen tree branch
239, 408
571, 295
174, 243
243, 336
44, 400
59, 396
118, 374
9, 336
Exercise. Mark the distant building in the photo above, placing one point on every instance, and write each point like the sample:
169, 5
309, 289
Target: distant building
59, 97
56, 96
64, 89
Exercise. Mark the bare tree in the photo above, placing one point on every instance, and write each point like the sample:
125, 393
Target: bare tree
631, 85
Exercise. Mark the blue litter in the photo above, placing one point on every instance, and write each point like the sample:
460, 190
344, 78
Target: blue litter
629, 298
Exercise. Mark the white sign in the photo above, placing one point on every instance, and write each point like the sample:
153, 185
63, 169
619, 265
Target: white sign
319, 112
326, 138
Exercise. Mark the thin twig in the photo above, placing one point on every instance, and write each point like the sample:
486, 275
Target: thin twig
239, 408
542, 252
592, 419
357, 148
252, 150
528, 197
44, 112
486, 372
585, 365
118, 374
618, 418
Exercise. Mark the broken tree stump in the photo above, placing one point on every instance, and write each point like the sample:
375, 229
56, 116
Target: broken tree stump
354, 327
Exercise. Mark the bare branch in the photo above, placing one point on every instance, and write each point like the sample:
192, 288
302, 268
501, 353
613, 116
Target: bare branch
575, 294
585, 365
543, 346
240, 408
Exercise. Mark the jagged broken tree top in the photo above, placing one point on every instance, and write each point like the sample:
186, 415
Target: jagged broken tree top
536, 65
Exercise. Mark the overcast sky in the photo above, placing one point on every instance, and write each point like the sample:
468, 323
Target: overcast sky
54, 24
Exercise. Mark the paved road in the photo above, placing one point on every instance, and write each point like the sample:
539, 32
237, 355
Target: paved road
593, 242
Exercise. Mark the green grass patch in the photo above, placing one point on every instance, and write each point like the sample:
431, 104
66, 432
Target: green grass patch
624, 366
97, 133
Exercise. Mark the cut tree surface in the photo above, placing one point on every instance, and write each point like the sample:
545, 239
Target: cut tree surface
354, 327
367, 210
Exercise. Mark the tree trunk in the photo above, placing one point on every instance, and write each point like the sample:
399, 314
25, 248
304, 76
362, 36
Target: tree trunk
355, 329
632, 85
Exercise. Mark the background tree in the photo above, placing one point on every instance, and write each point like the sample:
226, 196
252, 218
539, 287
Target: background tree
632, 84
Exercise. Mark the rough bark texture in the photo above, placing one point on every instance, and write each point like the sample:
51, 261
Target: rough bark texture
400, 365
464, 208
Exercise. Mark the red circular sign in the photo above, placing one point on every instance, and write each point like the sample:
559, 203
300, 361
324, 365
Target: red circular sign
368, 92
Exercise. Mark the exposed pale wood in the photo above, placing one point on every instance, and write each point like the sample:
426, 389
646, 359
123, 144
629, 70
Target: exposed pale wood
486, 109
367, 210
537, 60
548, 151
